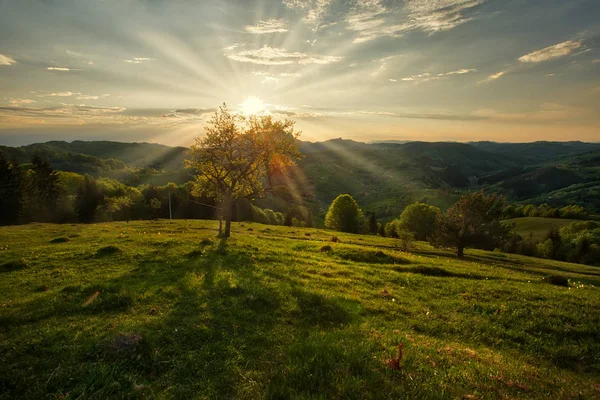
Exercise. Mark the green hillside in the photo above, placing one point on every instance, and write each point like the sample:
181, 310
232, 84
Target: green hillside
382, 177
538, 226
160, 309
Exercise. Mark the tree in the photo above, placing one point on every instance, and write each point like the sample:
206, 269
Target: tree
155, 205
241, 157
345, 215
473, 221
419, 219
373, 228
87, 199
10, 191
43, 190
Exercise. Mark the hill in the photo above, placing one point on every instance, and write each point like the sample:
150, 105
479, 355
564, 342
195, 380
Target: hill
382, 177
160, 309
538, 227
536, 152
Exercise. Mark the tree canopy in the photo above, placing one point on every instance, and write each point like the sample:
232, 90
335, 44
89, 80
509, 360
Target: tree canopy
419, 219
473, 221
345, 215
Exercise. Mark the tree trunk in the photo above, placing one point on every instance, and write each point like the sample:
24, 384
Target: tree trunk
227, 207
460, 251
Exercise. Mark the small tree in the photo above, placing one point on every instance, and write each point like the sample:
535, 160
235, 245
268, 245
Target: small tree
155, 205
10, 191
373, 228
241, 158
419, 219
42, 191
87, 199
473, 221
345, 215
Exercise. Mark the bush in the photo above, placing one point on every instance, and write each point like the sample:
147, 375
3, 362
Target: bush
419, 219
345, 215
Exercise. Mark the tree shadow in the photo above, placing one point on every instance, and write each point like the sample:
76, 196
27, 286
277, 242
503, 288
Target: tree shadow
439, 272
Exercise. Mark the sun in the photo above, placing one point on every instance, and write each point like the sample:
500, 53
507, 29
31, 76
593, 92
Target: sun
252, 106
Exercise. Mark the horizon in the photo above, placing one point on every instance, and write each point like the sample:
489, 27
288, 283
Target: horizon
391, 141
368, 70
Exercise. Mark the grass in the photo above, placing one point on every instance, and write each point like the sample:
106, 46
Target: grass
538, 226
162, 309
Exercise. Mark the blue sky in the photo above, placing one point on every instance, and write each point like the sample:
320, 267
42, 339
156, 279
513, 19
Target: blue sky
154, 70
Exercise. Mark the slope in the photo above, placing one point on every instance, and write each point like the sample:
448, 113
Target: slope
160, 309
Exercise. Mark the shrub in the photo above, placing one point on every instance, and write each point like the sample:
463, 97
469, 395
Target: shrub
345, 215
419, 219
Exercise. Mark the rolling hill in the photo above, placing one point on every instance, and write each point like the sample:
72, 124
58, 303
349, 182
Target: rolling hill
383, 177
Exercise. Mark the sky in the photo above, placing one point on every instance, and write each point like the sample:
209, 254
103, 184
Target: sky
367, 70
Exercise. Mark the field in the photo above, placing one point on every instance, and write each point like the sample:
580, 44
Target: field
538, 226
164, 310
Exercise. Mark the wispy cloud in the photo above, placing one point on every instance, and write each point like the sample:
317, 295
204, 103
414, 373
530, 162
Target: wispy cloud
546, 113
74, 54
267, 55
371, 19
411, 115
60, 69
64, 110
316, 10
427, 76
138, 60
91, 97
268, 26
439, 15
188, 113
59, 94
20, 101
493, 77
551, 52
6, 60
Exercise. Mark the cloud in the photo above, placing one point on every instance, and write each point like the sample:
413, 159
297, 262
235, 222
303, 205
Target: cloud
316, 10
393, 80
90, 97
138, 60
60, 69
551, 52
493, 77
275, 78
459, 72
370, 18
6, 60
21, 101
410, 115
427, 76
268, 26
267, 55
546, 113
79, 56
439, 15
59, 94
188, 113
64, 110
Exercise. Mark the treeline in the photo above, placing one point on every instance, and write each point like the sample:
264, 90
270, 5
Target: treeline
36, 192
545, 210
578, 242
474, 221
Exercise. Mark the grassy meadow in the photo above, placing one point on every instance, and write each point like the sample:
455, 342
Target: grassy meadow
163, 309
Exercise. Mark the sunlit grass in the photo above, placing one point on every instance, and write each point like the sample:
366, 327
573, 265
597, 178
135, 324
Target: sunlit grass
162, 309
